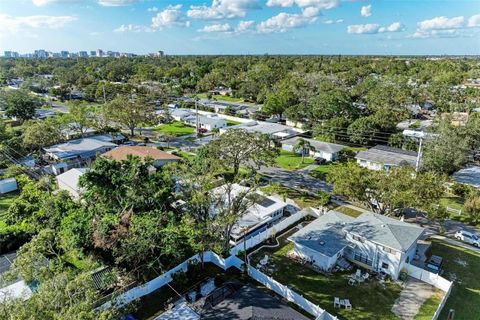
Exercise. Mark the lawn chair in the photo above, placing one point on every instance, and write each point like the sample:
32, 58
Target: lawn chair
366, 276
336, 302
352, 281
348, 305
358, 274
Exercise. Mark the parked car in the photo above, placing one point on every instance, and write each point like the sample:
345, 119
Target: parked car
320, 161
468, 237
129, 143
434, 264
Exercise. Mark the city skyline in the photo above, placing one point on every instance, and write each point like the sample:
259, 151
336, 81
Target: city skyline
243, 26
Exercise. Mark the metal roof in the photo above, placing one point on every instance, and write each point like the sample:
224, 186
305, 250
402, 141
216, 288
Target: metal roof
388, 155
318, 145
470, 176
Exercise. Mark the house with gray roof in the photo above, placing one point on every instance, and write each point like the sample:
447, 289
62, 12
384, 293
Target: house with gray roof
319, 149
275, 131
469, 176
371, 241
384, 158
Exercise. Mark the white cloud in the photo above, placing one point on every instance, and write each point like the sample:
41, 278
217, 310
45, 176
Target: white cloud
321, 4
330, 21
169, 17
369, 28
311, 12
41, 3
439, 23
132, 28
284, 21
374, 28
244, 26
222, 9
116, 3
474, 21
12, 24
216, 28
366, 11
280, 3
152, 9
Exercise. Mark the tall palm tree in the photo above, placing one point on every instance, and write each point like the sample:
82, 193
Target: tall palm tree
304, 146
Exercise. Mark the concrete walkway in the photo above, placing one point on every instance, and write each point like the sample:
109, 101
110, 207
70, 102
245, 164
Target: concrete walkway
414, 294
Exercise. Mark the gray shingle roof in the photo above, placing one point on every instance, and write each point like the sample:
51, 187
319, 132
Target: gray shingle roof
385, 231
469, 176
388, 155
318, 145
325, 234
331, 227
251, 302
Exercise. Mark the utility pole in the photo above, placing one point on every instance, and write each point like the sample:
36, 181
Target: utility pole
420, 135
419, 155
196, 114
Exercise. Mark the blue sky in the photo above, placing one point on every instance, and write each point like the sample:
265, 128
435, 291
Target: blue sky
243, 26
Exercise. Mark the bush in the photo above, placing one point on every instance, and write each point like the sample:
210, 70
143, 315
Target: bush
460, 190
13, 237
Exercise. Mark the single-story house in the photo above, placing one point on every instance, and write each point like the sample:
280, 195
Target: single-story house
76, 152
69, 181
275, 131
319, 149
263, 211
181, 114
469, 176
205, 122
384, 158
159, 157
371, 241
8, 185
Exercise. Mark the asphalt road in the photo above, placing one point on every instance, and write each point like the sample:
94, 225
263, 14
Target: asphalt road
295, 180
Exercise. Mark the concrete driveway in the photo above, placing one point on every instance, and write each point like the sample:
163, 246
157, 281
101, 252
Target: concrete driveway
295, 180
413, 295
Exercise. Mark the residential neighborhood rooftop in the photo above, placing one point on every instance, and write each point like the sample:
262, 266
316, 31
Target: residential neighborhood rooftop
318, 145
82, 148
122, 153
470, 176
388, 155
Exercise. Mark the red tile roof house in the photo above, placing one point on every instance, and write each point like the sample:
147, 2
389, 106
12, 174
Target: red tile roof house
160, 157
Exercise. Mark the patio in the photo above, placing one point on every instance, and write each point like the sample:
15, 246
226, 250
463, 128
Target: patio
368, 298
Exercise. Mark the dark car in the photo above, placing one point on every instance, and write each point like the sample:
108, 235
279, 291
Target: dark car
434, 264
320, 161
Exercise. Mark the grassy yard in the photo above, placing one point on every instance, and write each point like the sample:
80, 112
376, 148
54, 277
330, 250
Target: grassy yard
5, 201
232, 123
452, 201
302, 199
175, 129
370, 300
321, 172
461, 265
348, 211
292, 161
428, 308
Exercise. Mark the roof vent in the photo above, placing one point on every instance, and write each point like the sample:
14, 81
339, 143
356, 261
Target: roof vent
383, 225
322, 243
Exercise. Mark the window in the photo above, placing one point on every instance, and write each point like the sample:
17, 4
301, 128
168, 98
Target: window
384, 265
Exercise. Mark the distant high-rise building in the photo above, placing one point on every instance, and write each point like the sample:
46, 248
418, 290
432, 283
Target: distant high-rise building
10, 54
64, 54
93, 53
83, 54
40, 53
99, 53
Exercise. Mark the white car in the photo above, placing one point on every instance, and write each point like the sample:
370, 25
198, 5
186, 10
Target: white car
468, 237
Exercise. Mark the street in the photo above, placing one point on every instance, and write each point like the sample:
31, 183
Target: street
295, 179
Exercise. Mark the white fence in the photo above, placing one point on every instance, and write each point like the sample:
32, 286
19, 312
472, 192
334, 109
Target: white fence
435, 280
157, 283
259, 238
289, 294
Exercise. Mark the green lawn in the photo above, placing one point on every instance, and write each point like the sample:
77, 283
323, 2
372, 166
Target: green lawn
452, 201
292, 161
302, 199
322, 171
348, 211
463, 266
232, 123
175, 129
5, 201
428, 308
185, 155
370, 300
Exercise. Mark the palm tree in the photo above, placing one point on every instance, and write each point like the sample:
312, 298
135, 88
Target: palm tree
304, 146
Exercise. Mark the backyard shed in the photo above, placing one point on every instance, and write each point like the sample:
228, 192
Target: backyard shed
8, 185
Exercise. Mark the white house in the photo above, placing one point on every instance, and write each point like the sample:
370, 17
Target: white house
372, 241
263, 211
207, 123
8, 185
181, 114
275, 131
69, 181
384, 158
319, 149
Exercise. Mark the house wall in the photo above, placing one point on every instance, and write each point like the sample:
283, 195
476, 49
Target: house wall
326, 155
377, 257
318, 259
64, 186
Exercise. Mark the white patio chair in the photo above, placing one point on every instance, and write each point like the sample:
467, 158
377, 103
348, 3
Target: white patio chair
336, 302
352, 281
358, 274
348, 305
366, 276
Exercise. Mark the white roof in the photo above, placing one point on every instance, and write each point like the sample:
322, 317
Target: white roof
257, 214
71, 177
17, 290
7, 181
75, 148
